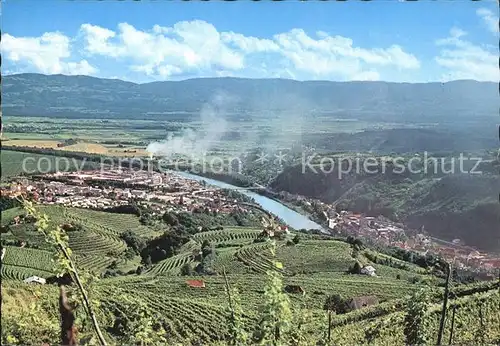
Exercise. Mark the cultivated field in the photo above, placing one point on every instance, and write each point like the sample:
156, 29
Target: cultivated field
200, 314
15, 163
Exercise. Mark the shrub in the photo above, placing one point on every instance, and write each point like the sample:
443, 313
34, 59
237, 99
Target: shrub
171, 219
187, 270
336, 303
356, 268
133, 241
125, 209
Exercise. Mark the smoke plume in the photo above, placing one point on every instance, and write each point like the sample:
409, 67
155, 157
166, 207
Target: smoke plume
196, 142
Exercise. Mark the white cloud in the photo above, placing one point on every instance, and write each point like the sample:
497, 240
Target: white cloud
96, 40
489, 19
249, 44
196, 47
457, 32
465, 60
338, 48
164, 52
47, 54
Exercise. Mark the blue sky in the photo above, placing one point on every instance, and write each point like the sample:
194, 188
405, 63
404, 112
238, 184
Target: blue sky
144, 41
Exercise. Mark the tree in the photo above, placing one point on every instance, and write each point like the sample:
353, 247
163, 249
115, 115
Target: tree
134, 241
296, 239
170, 218
207, 258
166, 245
206, 247
356, 268
336, 303
359, 243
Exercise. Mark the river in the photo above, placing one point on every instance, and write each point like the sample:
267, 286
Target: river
289, 216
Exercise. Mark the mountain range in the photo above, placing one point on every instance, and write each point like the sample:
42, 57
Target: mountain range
84, 96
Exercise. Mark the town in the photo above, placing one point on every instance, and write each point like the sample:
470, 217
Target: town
107, 189
167, 192
382, 231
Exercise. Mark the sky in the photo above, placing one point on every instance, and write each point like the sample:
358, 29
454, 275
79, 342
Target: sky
147, 41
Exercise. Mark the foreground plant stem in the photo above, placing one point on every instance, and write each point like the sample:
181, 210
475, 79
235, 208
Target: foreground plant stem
55, 237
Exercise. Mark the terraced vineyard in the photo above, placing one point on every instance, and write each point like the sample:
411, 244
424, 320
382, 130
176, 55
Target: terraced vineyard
226, 260
184, 319
111, 223
95, 246
102, 243
360, 320
318, 266
256, 257
475, 321
9, 215
96, 263
230, 235
170, 265
312, 256
21, 263
317, 287
20, 273
29, 258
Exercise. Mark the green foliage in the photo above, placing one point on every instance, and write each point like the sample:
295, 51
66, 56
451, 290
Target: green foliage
170, 218
337, 304
64, 264
26, 320
165, 246
276, 316
12, 163
168, 266
381, 329
417, 321
133, 241
238, 336
186, 269
136, 324
356, 267
191, 315
208, 256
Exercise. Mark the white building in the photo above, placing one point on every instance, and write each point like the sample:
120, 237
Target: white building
35, 279
368, 270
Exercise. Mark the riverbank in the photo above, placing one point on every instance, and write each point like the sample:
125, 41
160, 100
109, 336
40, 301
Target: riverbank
244, 182
265, 197
275, 207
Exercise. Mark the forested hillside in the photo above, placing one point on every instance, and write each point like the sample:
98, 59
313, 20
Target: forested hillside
461, 205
